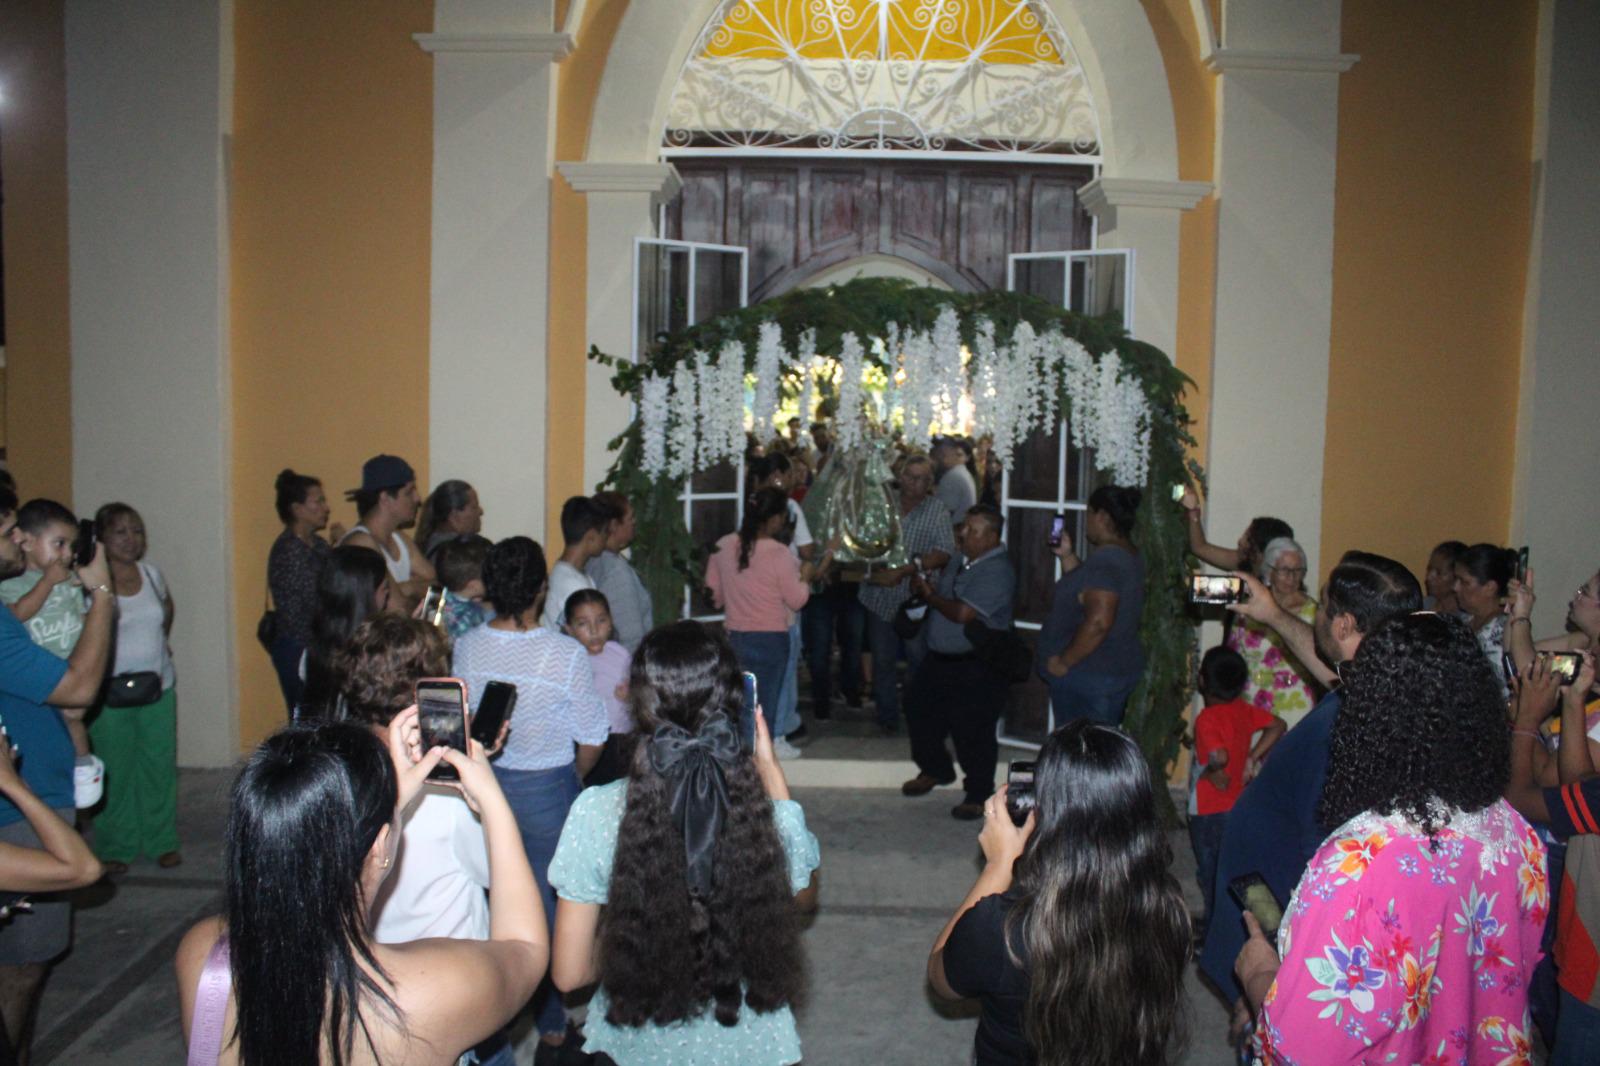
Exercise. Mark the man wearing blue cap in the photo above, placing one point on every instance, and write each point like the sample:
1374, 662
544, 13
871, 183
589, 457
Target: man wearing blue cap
386, 501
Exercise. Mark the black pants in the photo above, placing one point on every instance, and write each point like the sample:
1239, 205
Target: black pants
959, 698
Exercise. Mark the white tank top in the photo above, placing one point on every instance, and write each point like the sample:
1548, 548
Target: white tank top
399, 569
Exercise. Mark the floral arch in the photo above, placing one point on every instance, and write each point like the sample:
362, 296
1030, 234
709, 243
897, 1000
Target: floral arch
898, 360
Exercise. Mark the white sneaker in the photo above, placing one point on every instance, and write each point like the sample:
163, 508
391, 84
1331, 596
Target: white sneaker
785, 750
88, 781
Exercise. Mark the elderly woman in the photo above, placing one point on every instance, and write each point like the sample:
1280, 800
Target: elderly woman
451, 510
1484, 574
1279, 682
1416, 925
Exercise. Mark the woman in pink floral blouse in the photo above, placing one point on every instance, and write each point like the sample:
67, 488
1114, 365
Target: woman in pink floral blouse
1278, 682
1415, 929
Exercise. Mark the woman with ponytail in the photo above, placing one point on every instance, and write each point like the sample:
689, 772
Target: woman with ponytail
680, 888
1075, 937
293, 567
450, 511
1484, 574
290, 973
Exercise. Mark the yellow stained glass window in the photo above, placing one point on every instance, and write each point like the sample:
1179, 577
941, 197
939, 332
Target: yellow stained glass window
993, 31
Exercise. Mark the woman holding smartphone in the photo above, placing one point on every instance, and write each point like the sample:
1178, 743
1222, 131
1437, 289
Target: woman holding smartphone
290, 972
681, 887
1090, 866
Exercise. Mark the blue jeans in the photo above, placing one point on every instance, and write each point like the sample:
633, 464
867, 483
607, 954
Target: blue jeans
286, 652
887, 650
789, 705
1577, 1033
767, 656
540, 800
1205, 837
1090, 694
835, 610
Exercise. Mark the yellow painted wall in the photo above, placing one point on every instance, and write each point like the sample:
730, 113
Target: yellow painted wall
1431, 234
1194, 107
578, 88
330, 214
33, 156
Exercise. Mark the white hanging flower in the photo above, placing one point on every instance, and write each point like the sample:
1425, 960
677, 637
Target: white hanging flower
730, 401
847, 422
917, 397
653, 425
804, 361
764, 408
1120, 431
685, 412
949, 376
1079, 381
891, 365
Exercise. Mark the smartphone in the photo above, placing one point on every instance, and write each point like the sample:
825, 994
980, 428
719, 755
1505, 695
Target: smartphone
83, 544
1020, 798
1253, 894
747, 722
1217, 588
1564, 665
432, 605
442, 718
494, 707
1522, 563
1058, 529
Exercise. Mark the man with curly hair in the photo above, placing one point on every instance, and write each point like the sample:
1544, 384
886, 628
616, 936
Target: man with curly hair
1273, 829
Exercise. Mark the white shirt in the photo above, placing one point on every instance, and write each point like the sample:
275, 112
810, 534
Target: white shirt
802, 531
557, 704
141, 629
565, 579
399, 568
440, 874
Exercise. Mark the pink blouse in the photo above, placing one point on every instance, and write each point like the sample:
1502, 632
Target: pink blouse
763, 597
1395, 951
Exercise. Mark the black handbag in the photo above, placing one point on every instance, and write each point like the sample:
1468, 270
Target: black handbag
267, 628
133, 690
1001, 650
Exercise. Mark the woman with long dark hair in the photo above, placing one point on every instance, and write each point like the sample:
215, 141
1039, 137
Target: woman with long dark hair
1075, 937
451, 510
290, 973
681, 887
1416, 925
293, 567
1484, 574
760, 585
353, 585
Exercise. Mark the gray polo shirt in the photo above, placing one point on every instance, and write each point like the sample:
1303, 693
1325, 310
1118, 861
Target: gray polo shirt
988, 584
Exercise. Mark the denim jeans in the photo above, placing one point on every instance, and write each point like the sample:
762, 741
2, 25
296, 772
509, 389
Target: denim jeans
789, 705
286, 652
1205, 837
1090, 694
767, 656
540, 800
1577, 1033
835, 611
887, 650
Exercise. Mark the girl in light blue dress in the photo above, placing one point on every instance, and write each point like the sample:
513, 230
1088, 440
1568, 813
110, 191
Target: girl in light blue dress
681, 887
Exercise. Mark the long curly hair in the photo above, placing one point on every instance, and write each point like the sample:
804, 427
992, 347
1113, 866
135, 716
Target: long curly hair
1423, 725
666, 955
1099, 919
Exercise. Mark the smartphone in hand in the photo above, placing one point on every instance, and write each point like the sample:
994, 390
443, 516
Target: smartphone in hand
1058, 530
442, 719
1252, 893
1217, 589
494, 707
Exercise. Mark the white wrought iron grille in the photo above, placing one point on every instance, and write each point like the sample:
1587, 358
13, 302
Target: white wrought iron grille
988, 76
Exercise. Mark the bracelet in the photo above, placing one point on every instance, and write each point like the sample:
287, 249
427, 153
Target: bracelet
1519, 618
1527, 733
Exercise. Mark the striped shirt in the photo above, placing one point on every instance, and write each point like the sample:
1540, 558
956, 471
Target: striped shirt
1575, 818
927, 528
557, 704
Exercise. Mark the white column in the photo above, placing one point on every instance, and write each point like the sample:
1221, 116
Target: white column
622, 199
1556, 509
1142, 214
148, 100
493, 137
1277, 110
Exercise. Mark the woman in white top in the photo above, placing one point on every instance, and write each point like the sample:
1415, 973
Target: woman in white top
559, 725
136, 731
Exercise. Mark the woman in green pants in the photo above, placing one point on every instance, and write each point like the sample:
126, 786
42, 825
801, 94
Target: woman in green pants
136, 731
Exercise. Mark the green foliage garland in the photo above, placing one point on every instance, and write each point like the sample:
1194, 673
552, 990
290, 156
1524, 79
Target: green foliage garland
667, 557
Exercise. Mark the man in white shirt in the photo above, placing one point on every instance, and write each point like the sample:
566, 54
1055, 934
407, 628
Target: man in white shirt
956, 489
583, 528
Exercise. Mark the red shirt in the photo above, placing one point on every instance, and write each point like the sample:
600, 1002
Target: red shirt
1228, 726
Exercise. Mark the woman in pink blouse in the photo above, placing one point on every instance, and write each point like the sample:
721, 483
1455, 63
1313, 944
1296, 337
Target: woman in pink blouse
759, 584
1414, 930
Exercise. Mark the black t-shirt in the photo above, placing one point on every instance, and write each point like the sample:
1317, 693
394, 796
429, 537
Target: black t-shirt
977, 965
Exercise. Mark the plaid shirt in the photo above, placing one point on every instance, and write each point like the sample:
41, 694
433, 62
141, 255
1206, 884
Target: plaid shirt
927, 528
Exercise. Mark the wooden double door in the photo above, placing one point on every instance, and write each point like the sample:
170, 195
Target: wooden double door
958, 221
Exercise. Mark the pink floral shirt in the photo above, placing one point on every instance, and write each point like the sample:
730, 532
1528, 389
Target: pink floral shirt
1277, 682
1395, 951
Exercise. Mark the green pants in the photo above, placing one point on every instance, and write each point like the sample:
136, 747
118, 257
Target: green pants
140, 748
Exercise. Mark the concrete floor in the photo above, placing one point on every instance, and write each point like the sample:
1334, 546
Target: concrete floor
893, 869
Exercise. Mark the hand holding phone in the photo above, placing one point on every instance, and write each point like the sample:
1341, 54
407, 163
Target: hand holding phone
1252, 893
1020, 798
1058, 529
499, 699
442, 719
1217, 589
431, 609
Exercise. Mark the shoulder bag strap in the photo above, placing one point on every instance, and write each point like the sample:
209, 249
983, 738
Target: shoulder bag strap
211, 1007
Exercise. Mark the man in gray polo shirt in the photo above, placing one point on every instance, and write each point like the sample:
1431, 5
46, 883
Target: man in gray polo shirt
954, 694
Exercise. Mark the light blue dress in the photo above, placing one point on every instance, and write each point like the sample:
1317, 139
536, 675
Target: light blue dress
581, 872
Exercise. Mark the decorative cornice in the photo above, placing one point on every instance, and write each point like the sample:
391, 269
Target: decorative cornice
1103, 194
660, 180
557, 46
1224, 60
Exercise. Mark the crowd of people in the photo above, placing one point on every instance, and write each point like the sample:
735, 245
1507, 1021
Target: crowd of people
1392, 801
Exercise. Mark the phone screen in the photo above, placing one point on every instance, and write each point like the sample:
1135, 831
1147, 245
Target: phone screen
433, 605
1565, 665
752, 697
1058, 528
1253, 894
1522, 564
494, 707
1215, 588
442, 719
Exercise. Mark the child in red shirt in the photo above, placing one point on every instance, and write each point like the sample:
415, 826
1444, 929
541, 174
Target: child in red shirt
1225, 760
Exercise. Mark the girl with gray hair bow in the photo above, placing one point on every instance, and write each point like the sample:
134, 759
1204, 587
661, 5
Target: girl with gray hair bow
1279, 682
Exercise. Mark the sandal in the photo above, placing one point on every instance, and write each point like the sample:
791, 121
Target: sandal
169, 860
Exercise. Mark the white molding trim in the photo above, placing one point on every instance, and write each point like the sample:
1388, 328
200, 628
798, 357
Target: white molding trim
1110, 193
660, 180
557, 46
1224, 60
